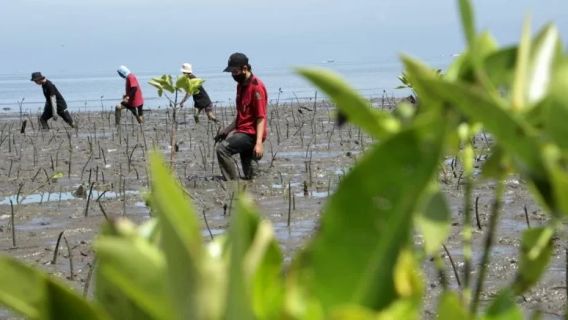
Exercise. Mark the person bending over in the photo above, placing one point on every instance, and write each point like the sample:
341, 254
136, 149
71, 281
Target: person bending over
132, 98
201, 100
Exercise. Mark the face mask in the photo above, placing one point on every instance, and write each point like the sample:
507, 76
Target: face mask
239, 78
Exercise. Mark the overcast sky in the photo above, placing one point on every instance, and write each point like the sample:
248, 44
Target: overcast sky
86, 36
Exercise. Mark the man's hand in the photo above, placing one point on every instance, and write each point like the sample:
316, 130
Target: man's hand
53, 107
220, 136
258, 151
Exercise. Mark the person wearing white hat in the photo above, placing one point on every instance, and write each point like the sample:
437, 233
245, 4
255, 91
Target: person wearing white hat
201, 100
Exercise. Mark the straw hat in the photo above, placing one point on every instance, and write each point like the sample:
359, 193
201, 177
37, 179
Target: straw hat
186, 68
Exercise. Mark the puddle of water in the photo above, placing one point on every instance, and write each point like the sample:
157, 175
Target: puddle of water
99, 134
214, 231
297, 230
140, 204
315, 154
51, 197
314, 194
37, 223
279, 186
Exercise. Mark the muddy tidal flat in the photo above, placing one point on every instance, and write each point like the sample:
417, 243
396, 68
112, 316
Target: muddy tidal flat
64, 183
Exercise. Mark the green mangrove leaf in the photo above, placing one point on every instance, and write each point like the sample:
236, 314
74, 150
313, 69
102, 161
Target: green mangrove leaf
35, 295
467, 18
408, 280
255, 268
167, 83
556, 165
377, 123
354, 312
520, 83
368, 221
189, 86
263, 265
556, 130
542, 63
556, 107
134, 270
484, 46
450, 307
181, 239
434, 221
57, 175
503, 307
500, 66
194, 86
400, 309
536, 250
513, 134
407, 309
155, 82
182, 83
497, 165
149, 231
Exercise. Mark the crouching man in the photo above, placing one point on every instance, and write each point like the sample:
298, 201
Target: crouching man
250, 125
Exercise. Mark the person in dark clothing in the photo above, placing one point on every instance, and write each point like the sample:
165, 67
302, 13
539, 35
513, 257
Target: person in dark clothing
250, 125
54, 103
201, 100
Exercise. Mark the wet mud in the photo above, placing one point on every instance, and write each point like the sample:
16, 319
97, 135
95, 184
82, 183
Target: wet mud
104, 176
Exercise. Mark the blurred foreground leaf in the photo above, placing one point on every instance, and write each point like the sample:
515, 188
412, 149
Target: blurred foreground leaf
536, 250
130, 278
181, 238
356, 108
37, 296
368, 220
255, 268
503, 307
434, 222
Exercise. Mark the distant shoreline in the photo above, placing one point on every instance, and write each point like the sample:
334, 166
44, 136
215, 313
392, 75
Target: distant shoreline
378, 102
94, 105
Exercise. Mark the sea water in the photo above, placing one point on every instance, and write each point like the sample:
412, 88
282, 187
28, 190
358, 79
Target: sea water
102, 90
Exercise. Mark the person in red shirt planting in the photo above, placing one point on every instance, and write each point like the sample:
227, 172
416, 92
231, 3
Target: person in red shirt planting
250, 125
132, 98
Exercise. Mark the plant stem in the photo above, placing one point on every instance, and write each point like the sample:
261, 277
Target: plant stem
456, 274
55, 252
13, 225
493, 220
467, 161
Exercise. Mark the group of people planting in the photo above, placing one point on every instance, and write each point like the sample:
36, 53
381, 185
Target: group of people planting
249, 128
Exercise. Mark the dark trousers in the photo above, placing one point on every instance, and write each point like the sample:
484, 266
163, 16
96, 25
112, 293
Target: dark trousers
240, 143
48, 114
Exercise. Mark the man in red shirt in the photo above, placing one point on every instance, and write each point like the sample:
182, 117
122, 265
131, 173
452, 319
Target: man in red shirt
132, 98
249, 127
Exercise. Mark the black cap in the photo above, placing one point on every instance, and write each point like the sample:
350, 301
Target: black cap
37, 76
236, 60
